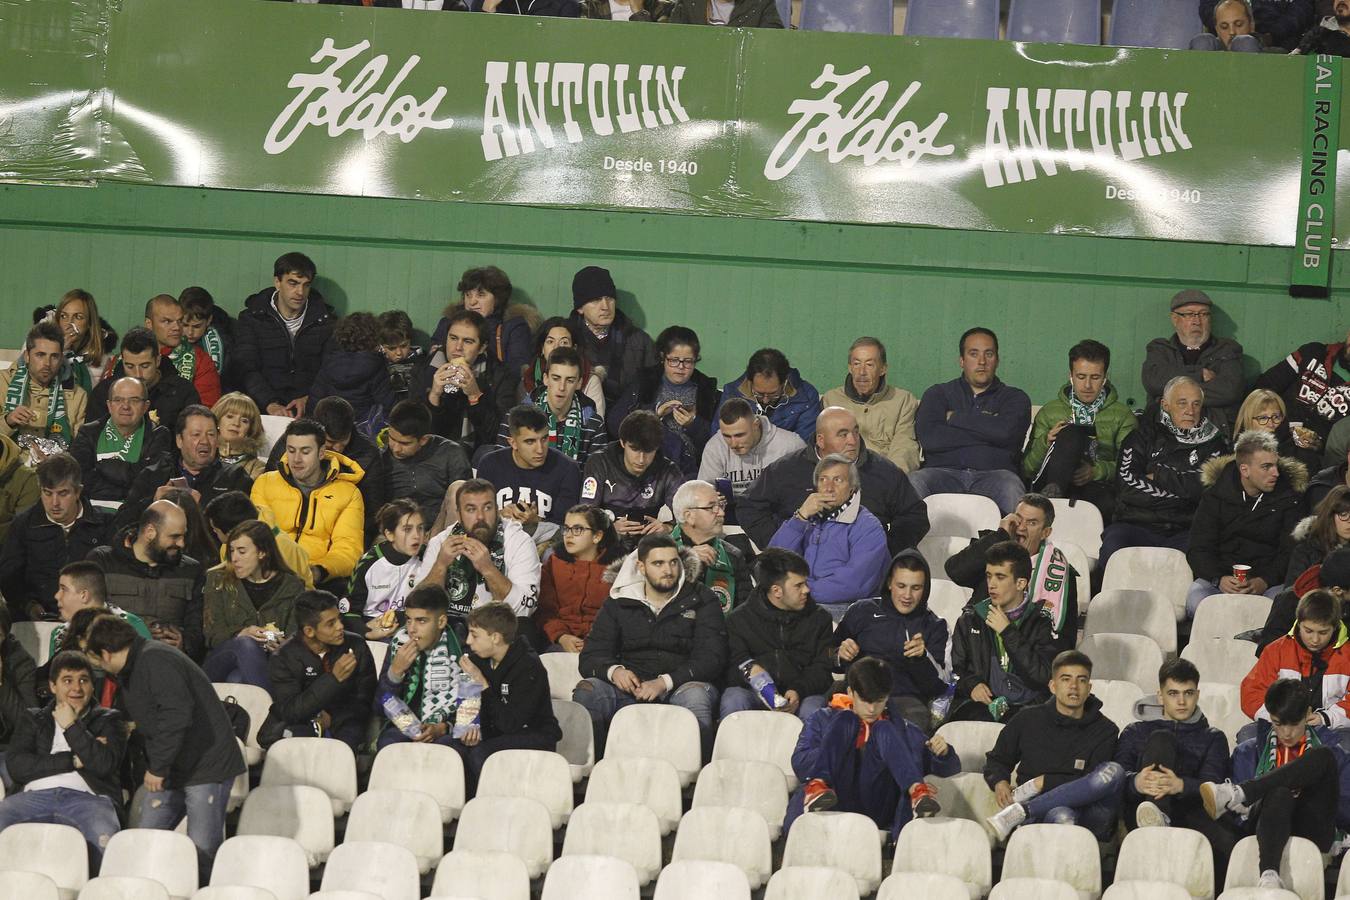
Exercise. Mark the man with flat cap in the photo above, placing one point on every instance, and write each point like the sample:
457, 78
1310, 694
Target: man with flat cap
1214, 362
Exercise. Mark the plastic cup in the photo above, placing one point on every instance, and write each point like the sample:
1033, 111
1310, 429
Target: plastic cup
1240, 572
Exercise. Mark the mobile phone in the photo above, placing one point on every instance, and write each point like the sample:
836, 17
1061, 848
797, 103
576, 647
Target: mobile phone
180, 483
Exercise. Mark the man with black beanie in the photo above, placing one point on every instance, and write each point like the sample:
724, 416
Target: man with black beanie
609, 339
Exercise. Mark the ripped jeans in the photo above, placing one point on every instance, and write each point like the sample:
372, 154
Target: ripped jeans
93, 814
1091, 801
203, 804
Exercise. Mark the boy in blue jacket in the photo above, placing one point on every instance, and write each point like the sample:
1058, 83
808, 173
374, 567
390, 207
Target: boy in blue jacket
854, 758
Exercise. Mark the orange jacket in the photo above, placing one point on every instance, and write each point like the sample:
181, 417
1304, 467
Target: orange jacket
1288, 658
570, 595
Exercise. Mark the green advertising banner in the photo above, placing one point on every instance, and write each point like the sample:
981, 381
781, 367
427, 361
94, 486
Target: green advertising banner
1000, 136
1317, 195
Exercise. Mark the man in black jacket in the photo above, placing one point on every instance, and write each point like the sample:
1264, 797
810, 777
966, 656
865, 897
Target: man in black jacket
281, 337
113, 450
415, 463
18, 681
784, 484
71, 774
468, 393
192, 755
1062, 752
781, 632
323, 678
659, 638
609, 339
168, 392
60, 528
633, 479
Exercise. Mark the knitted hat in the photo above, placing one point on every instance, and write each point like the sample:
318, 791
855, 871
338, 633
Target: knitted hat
1189, 296
591, 283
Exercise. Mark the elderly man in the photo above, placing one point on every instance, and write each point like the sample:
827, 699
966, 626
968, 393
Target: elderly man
167, 392
745, 443
841, 541
112, 451
886, 491
1159, 472
885, 413
699, 515
1213, 362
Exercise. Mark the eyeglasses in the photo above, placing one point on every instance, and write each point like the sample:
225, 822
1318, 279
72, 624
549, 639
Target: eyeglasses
681, 362
1343, 515
720, 504
125, 401
1269, 419
1193, 316
576, 530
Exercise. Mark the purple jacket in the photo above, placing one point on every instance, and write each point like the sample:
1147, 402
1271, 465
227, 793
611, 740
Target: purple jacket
847, 554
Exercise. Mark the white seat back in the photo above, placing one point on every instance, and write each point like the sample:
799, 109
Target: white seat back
485, 874
947, 599
760, 734
578, 737
1145, 890
36, 638
1083, 566
1080, 522
273, 428
1125, 657
847, 841
1300, 867
516, 825
966, 796
433, 769
971, 741
592, 831
1118, 699
1177, 855
378, 651
539, 774
57, 851
323, 763
698, 879
275, 863
257, 703
936, 549
929, 885
1065, 853
166, 856
961, 515
942, 846
1134, 612
234, 892
1221, 660
113, 887
23, 885
593, 877
386, 870
1228, 615
563, 673
1161, 570
747, 784
726, 834
299, 812
652, 783
658, 731
1032, 889
409, 819
811, 883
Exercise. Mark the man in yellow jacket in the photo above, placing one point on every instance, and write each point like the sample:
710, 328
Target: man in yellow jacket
314, 499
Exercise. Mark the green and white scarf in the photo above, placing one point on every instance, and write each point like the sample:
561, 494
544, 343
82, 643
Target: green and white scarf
436, 672
1050, 585
564, 435
720, 577
184, 359
1086, 413
75, 370
1205, 431
58, 423
111, 444
214, 347
462, 579
1266, 760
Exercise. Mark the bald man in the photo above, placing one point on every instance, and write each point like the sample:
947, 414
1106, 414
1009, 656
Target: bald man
114, 449
149, 574
886, 492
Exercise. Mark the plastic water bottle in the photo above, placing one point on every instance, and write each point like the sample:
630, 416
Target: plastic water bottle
404, 719
941, 705
763, 686
467, 714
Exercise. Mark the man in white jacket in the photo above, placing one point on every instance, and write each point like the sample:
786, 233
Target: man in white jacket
743, 446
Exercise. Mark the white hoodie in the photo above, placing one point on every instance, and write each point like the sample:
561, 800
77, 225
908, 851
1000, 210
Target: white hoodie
719, 462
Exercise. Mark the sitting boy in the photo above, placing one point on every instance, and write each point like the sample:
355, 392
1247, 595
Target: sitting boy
422, 668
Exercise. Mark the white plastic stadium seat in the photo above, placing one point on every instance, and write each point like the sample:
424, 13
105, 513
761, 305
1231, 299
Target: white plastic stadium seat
1257, 893
409, 819
1221, 660
1083, 566
961, 515
1177, 855
593, 829
760, 734
1031, 889
563, 673
240, 788
1145, 890
1300, 868
658, 732
847, 841
386, 870
273, 428
1060, 852
36, 638
57, 851
1343, 879
966, 796
323, 763
947, 599
1222, 706
34, 886
433, 769
344, 895
1162, 570
299, 812
578, 737
539, 774
256, 702
942, 846
971, 741
652, 783
696, 879
1228, 615
1125, 657
1134, 612
811, 883
166, 856
234, 892
936, 549
485, 874
730, 835
378, 651
275, 863
745, 783
592, 877
1118, 699
516, 825
1080, 522
928, 885
113, 887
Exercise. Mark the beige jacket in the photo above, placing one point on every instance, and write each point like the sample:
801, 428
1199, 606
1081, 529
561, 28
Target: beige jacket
886, 422
38, 398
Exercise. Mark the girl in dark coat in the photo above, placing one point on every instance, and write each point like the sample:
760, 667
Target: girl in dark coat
355, 370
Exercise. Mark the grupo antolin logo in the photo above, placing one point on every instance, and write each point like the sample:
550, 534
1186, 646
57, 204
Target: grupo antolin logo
524, 101
1029, 132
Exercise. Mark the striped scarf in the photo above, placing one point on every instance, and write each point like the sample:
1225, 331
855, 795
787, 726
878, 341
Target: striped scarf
58, 422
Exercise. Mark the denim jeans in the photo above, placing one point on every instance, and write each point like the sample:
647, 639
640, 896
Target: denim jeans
204, 806
92, 814
1000, 485
1200, 589
1091, 801
739, 699
602, 700
240, 660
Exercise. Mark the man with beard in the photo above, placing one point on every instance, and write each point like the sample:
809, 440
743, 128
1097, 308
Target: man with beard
112, 451
1215, 363
1315, 394
885, 413
744, 445
148, 574
1331, 35
482, 558
36, 406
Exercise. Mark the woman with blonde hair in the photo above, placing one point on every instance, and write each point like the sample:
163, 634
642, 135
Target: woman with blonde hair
1264, 410
241, 432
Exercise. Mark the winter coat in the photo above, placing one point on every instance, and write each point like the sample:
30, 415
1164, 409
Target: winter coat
607, 482
508, 335
227, 608
107, 482
796, 412
594, 435
1326, 673
571, 592
1159, 476
35, 550
1113, 424
473, 424
1039, 740
1307, 550
739, 472
516, 699
188, 736
1322, 483
959, 429
1284, 21
1325, 37
1229, 527
793, 646
1311, 382
621, 355
216, 479
846, 554
652, 11
169, 595
1029, 643
330, 523
686, 641
1164, 360
169, 396
18, 484
422, 478
777, 494
966, 568
18, 685
1202, 752
642, 393
885, 420
271, 366
740, 570
745, 14
1246, 754
362, 379
98, 737
77, 402
881, 630
303, 686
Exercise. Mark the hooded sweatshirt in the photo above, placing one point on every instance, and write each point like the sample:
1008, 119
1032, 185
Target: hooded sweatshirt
720, 464
881, 630
1230, 527
1040, 740
1325, 673
328, 521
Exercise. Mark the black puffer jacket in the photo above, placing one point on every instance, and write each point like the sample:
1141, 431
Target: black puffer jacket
793, 646
271, 367
303, 686
1202, 752
35, 550
1160, 476
170, 395
96, 737
1229, 527
110, 479
171, 595
360, 378
1029, 642
210, 483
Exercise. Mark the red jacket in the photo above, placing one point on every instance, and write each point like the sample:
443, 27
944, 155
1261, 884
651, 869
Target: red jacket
205, 378
1288, 658
570, 594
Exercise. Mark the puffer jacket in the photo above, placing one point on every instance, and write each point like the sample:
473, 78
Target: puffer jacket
793, 646
1113, 424
171, 595
1202, 752
18, 484
271, 366
799, 407
1306, 552
1229, 527
422, 478
571, 592
966, 568
1160, 476
1029, 642
1247, 754
227, 608
329, 524
1326, 674
107, 482
846, 554
362, 379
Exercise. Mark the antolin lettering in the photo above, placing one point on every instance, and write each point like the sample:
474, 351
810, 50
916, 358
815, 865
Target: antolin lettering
605, 95
356, 105
1069, 126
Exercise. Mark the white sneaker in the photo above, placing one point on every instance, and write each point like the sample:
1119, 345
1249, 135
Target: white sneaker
1026, 791
1270, 879
1148, 815
1218, 797
1005, 820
